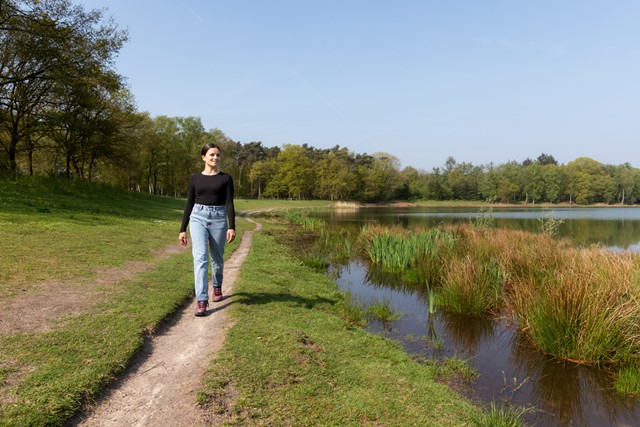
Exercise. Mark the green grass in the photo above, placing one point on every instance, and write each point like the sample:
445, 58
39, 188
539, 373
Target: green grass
503, 417
65, 367
628, 381
455, 366
352, 310
282, 205
291, 359
65, 232
382, 311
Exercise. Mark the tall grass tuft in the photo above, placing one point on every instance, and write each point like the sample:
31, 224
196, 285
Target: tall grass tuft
352, 310
473, 286
628, 380
382, 311
588, 309
510, 416
431, 299
485, 218
549, 224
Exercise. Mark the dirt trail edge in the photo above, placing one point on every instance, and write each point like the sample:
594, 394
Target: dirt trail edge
160, 388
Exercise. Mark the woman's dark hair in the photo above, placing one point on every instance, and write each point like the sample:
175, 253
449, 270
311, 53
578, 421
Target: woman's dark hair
208, 146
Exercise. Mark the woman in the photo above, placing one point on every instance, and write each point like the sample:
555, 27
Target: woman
212, 215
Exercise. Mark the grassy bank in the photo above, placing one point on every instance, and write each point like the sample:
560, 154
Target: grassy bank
62, 240
291, 359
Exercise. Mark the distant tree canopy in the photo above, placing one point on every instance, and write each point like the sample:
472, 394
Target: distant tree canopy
64, 111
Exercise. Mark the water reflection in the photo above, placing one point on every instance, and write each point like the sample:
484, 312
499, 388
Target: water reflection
611, 227
465, 334
510, 369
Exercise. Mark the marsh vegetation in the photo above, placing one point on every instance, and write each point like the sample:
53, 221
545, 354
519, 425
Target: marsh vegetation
572, 306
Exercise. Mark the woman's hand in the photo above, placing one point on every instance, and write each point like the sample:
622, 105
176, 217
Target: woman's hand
231, 235
182, 238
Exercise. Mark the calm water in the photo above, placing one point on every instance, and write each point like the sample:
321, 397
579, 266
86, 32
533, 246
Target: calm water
613, 227
564, 394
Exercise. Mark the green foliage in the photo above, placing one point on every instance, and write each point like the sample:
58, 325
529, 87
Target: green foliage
509, 416
549, 224
628, 380
421, 253
382, 311
484, 218
57, 69
352, 310
308, 223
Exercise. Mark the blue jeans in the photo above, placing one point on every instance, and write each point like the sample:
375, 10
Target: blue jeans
208, 228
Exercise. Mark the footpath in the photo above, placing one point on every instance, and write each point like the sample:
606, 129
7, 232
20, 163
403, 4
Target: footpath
160, 387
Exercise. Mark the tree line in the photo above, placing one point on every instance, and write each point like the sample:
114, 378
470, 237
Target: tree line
65, 111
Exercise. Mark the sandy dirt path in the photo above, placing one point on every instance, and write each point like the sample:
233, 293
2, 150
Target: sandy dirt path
160, 387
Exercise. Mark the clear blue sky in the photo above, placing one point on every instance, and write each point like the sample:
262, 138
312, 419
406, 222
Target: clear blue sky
482, 81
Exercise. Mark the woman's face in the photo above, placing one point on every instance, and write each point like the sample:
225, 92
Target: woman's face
212, 158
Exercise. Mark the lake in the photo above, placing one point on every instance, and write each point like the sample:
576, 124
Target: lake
510, 371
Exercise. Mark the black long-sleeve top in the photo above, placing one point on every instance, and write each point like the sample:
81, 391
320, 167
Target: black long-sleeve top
213, 190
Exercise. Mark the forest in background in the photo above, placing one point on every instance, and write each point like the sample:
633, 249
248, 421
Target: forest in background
65, 111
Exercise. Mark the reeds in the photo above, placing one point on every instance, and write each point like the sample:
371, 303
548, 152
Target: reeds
576, 304
586, 310
308, 223
473, 286
419, 255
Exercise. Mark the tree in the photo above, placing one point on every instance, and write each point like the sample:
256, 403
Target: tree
554, 179
417, 182
45, 43
382, 178
296, 171
533, 182
262, 172
508, 182
463, 181
245, 156
334, 180
488, 183
86, 120
625, 178
587, 180
546, 159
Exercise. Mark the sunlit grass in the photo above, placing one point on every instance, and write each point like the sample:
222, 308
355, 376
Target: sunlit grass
58, 233
294, 358
66, 232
